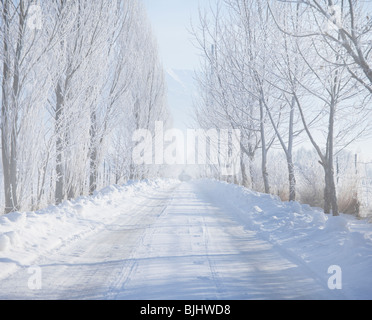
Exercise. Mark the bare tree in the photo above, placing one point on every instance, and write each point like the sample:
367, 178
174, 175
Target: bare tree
331, 89
346, 24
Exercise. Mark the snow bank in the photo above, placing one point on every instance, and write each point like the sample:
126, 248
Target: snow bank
305, 234
28, 235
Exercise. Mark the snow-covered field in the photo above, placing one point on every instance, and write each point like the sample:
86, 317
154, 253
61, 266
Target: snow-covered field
165, 239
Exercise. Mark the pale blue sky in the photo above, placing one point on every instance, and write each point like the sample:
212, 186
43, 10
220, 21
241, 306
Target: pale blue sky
171, 20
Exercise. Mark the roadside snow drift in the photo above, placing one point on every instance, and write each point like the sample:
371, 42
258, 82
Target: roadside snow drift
314, 239
26, 236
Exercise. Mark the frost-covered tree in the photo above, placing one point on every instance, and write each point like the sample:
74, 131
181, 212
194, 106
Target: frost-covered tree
73, 74
346, 25
237, 48
337, 102
287, 71
27, 41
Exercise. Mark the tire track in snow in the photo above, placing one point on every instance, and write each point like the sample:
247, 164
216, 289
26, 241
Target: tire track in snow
130, 266
211, 263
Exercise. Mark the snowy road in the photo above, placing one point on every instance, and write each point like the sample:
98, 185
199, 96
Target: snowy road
182, 242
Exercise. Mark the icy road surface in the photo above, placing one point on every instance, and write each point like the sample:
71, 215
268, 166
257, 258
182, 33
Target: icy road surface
180, 242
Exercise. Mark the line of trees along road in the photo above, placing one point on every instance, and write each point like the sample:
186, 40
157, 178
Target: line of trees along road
78, 77
286, 72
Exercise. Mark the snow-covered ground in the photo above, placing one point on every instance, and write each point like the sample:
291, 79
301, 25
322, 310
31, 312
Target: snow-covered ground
165, 239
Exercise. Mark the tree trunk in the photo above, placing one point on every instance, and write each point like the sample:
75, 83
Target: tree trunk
292, 181
244, 171
93, 153
9, 117
10, 174
72, 192
93, 171
265, 174
59, 189
330, 194
291, 171
251, 173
